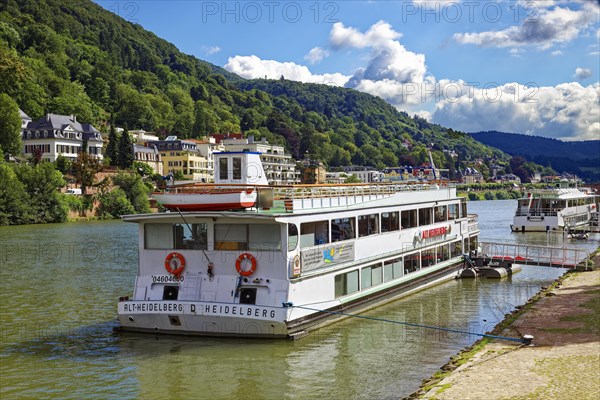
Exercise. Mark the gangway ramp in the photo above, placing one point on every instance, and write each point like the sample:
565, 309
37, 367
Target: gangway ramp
546, 256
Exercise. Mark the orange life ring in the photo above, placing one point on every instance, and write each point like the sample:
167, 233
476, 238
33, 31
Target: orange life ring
238, 264
175, 263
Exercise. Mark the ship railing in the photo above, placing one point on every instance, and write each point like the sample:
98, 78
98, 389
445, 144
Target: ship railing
537, 212
525, 254
353, 189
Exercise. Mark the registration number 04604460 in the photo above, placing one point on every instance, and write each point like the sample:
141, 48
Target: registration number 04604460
167, 279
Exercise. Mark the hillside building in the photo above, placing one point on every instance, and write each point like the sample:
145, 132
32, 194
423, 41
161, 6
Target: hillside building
57, 135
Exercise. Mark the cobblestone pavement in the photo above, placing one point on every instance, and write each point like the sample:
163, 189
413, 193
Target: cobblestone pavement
562, 363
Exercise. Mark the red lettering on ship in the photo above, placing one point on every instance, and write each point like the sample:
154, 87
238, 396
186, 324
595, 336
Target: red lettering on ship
429, 233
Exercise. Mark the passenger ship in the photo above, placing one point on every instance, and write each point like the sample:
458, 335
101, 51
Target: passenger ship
555, 209
296, 260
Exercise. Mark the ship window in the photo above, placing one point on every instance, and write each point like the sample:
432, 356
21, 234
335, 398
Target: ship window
390, 221
455, 249
392, 269
292, 237
342, 229
427, 258
440, 213
442, 253
412, 263
158, 236
223, 172
371, 276
231, 237
463, 208
194, 236
247, 237
452, 211
314, 233
368, 225
409, 219
264, 237
237, 168
346, 283
425, 216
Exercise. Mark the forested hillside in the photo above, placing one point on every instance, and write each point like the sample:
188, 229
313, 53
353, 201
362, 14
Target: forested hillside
580, 158
74, 57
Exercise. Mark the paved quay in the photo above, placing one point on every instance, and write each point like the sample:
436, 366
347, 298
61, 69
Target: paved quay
562, 363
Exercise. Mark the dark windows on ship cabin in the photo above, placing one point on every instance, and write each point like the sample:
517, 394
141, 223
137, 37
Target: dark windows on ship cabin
342, 229
390, 221
412, 263
440, 213
247, 237
409, 219
223, 170
368, 225
427, 258
176, 236
425, 216
314, 233
227, 172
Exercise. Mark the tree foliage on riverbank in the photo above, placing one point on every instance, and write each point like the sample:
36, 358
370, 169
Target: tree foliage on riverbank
29, 194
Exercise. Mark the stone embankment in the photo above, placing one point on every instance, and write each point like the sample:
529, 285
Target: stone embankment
562, 362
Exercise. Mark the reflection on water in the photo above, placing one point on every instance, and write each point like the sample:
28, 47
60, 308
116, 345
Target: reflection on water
58, 288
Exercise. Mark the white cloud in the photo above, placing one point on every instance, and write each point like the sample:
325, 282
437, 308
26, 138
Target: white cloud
545, 28
557, 53
567, 111
389, 61
252, 67
315, 55
582, 73
379, 34
399, 76
209, 50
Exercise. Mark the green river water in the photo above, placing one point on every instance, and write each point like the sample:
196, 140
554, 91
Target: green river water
59, 286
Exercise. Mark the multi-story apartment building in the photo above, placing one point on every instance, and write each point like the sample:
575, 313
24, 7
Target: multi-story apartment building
183, 155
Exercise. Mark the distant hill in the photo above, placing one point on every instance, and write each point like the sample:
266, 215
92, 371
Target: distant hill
75, 57
581, 158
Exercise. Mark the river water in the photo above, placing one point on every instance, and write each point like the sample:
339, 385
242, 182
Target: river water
59, 285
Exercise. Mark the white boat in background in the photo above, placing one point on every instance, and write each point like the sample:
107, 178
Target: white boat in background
236, 182
296, 259
555, 209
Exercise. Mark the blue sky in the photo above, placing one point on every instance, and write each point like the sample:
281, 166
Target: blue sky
517, 66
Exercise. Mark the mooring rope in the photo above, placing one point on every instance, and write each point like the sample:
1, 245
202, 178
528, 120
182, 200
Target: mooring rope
439, 328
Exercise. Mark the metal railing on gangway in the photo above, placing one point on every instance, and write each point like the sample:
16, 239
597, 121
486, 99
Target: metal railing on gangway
525, 254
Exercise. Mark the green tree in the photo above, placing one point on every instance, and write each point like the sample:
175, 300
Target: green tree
114, 204
86, 166
10, 126
13, 198
113, 140
125, 154
352, 179
42, 183
135, 190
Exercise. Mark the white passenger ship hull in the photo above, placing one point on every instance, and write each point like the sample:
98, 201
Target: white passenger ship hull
240, 320
296, 261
